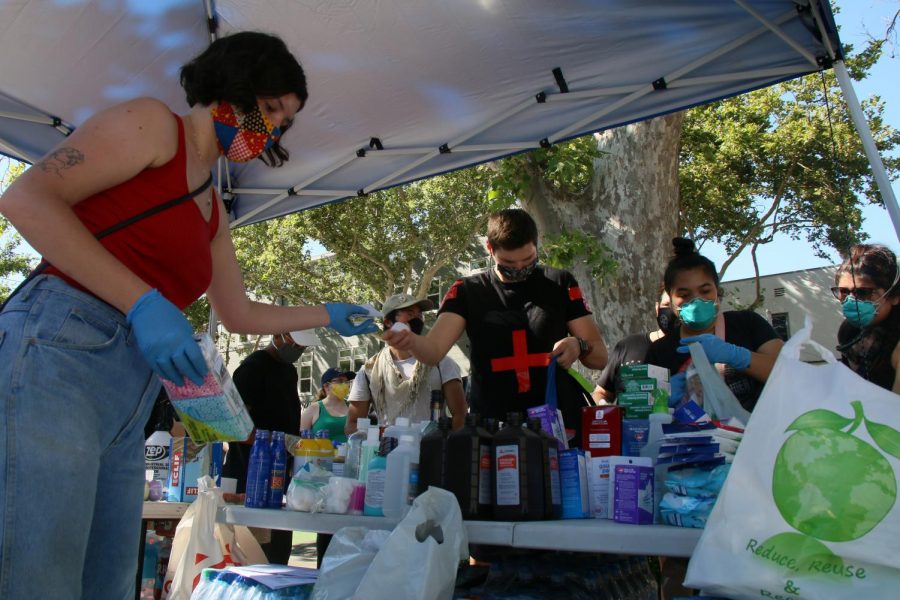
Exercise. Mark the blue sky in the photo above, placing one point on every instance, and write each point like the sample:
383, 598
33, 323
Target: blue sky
857, 19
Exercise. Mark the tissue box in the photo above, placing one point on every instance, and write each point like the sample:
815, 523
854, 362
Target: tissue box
637, 405
644, 370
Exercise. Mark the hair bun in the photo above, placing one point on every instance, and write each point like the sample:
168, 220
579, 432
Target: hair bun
683, 246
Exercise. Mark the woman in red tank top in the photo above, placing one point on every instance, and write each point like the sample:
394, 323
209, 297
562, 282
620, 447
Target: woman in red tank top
82, 340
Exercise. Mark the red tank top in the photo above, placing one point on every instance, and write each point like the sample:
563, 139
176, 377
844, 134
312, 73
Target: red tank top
170, 250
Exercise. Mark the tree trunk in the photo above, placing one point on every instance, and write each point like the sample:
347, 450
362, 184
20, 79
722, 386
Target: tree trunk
632, 208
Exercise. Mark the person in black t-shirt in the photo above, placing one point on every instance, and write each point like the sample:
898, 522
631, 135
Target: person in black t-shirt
742, 341
267, 381
632, 350
869, 337
518, 315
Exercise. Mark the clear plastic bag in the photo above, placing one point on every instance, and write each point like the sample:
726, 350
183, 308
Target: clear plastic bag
718, 400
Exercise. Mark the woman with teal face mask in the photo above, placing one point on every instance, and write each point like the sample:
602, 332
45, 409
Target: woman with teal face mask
869, 338
741, 341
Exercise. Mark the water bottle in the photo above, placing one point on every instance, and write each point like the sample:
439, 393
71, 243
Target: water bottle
354, 448
259, 471
376, 475
279, 464
368, 452
401, 478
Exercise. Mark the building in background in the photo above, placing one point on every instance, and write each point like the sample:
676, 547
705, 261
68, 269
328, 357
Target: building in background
788, 298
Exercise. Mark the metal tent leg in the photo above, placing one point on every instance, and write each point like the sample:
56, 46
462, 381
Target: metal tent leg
868, 142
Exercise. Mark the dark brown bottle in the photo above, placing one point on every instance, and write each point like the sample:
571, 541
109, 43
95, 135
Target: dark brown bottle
469, 473
552, 491
433, 456
512, 495
538, 474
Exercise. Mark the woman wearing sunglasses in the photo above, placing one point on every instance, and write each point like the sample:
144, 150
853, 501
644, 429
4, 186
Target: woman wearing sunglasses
868, 292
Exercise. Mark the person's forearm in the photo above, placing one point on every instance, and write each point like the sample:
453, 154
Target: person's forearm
57, 234
426, 351
357, 411
760, 366
597, 357
259, 317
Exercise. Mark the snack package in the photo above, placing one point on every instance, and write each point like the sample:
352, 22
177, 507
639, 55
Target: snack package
213, 411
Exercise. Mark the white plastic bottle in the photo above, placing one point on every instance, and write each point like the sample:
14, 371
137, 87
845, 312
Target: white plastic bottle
401, 477
354, 448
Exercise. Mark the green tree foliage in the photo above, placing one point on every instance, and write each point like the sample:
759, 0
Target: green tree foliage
12, 260
784, 160
397, 239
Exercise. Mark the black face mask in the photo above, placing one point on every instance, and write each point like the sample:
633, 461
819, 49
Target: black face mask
416, 325
666, 318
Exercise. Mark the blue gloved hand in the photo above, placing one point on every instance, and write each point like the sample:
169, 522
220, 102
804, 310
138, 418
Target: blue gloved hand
678, 384
166, 339
718, 350
339, 315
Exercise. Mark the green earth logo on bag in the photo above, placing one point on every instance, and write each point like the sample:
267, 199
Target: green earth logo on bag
830, 486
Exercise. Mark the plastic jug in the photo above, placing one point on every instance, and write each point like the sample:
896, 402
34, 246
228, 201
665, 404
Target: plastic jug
258, 471
552, 491
433, 456
402, 426
401, 482
469, 473
354, 448
512, 500
158, 460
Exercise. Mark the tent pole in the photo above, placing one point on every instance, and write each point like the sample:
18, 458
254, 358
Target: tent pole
868, 142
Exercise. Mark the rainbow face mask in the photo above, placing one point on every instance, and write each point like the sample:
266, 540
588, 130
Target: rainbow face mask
242, 136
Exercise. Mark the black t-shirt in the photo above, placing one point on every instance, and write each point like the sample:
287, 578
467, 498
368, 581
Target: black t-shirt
630, 350
512, 328
743, 328
268, 387
868, 351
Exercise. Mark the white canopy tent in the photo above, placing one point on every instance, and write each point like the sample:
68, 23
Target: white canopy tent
407, 89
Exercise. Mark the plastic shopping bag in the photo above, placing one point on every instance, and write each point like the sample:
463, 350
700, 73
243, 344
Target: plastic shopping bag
809, 508
719, 402
200, 542
420, 558
349, 554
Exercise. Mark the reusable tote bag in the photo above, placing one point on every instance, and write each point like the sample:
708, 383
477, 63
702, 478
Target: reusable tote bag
809, 508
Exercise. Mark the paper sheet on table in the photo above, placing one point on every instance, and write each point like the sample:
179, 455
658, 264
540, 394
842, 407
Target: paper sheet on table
277, 577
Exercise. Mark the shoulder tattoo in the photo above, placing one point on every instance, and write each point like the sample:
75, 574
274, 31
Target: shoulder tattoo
60, 160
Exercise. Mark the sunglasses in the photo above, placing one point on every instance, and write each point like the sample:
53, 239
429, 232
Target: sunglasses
860, 293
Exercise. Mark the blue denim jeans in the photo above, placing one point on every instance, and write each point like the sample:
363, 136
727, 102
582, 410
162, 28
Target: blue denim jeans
75, 392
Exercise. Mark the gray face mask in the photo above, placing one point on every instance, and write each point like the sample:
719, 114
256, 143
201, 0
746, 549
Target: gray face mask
289, 352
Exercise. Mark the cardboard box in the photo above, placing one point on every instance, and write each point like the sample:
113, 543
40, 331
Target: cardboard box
637, 405
551, 422
644, 370
598, 486
615, 461
601, 430
633, 495
573, 481
635, 434
190, 461
639, 384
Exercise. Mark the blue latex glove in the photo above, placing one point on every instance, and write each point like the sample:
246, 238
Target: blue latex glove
718, 350
678, 384
339, 315
166, 339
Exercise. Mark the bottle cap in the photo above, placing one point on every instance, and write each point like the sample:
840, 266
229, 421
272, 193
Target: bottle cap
402, 422
372, 434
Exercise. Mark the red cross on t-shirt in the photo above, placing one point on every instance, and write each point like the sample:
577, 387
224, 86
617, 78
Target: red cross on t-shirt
520, 361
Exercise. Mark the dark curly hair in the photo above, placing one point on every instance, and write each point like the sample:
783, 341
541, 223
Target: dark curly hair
510, 229
687, 258
874, 261
241, 67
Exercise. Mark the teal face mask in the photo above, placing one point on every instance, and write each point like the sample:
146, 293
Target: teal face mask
859, 312
698, 313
